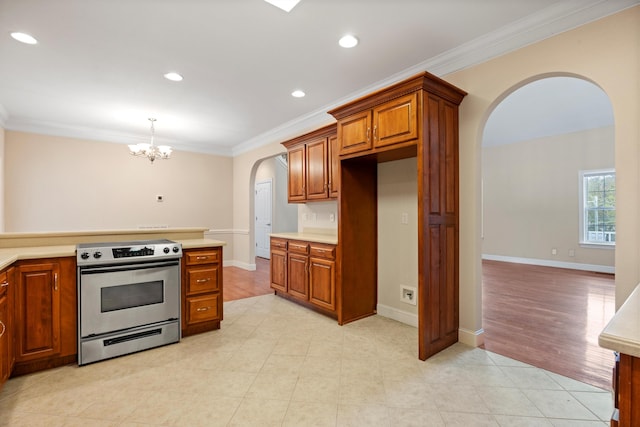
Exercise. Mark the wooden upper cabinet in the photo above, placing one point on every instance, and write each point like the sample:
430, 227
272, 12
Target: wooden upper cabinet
312, 169
317, 169
296, 174
396, 121
354, 133
334, 167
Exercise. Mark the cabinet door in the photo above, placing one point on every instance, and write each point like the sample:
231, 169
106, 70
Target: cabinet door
317, 170
5, 357
298, 276
396, 121
334, 167
38, 321
296, 178
279, 270
322, 283
354, 133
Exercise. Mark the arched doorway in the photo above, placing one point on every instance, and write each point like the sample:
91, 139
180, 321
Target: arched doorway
541, 138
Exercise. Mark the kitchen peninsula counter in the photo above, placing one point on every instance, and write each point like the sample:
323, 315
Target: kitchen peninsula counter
622, 333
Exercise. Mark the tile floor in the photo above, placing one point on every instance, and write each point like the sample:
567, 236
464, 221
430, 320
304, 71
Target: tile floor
274, 363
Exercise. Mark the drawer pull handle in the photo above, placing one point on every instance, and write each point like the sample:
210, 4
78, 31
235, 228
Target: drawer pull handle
55, 281
202, 257
4, 284
203, 309
4, 328
203, 280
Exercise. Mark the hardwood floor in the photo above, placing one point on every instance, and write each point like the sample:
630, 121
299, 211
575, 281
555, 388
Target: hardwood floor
549, 318
239, 283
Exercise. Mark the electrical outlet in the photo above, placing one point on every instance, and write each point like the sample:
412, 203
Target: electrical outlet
408, 295
572, 252
332, 217
554, 251
404, 218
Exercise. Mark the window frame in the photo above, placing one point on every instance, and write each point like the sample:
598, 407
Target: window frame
582, 210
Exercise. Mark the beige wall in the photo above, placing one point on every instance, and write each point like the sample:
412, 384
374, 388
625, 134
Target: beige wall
531, 196
605, 52
397, 242
61, 184
284, 215
2, 179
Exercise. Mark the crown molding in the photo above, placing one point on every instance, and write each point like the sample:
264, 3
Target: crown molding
549, 22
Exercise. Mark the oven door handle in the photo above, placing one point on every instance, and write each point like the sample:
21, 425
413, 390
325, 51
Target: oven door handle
99, 269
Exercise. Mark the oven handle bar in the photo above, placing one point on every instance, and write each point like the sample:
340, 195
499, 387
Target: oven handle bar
131, 337
98, 269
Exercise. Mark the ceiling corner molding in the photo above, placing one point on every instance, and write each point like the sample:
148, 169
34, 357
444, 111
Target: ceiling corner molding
532, 29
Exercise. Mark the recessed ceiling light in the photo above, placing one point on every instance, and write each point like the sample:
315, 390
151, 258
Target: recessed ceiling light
24, 38
298, 94
174, 77
348, 41
285, 5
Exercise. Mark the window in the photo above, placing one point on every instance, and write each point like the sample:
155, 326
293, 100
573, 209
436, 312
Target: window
598, 207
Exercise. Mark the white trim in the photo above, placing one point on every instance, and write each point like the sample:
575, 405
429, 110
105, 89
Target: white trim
548, 263
239, 264
472, 338
399, 315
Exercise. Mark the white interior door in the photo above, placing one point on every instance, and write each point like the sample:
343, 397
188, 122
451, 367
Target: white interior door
263, 218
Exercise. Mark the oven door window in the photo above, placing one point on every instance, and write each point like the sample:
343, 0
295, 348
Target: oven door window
113, 298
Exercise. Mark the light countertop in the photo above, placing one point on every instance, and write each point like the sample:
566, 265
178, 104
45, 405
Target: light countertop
622, 333
10, 255
330, 239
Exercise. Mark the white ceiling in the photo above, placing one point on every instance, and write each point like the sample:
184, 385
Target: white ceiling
546, 107
97, 72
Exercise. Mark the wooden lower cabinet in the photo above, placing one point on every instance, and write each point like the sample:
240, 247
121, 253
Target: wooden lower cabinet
201, 290
45, 314
305, 271
6, 325
626, 390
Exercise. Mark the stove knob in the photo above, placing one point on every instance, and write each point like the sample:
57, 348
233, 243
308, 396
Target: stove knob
176, 249
97, 255
165, 250
84, 255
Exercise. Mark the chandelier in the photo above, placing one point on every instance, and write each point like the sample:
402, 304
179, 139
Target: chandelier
151, 151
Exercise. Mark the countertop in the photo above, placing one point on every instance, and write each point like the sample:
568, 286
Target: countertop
622, 333
330, 239
10, 255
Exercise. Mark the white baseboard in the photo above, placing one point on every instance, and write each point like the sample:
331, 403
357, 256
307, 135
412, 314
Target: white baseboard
239, 264
471, 338
399, 315
549, 263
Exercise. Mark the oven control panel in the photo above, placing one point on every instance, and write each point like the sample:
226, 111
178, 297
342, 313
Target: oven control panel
117, 252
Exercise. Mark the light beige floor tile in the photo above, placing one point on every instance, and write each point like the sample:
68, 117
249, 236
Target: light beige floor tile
323, 348
506, 361
208, 411
361, 368
457, 419
559, 404
414, 417
245, 362
291, 347
371, 415
229, 384
259, 412
321, 366
272, 386
162, 408
515, 421
573, 385
577, 423
283, 364
357, 391
401, 370
320, 389
458, 398
530, 377
311, 414
600, 403
508, 401
408, 394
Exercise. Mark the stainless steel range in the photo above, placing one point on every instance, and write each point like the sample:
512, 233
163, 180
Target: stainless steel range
128, 297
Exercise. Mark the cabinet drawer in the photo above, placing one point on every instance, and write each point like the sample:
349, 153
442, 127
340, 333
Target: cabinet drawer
277, 243
202, 280
323, 251
298, 247
202, 309
202, 257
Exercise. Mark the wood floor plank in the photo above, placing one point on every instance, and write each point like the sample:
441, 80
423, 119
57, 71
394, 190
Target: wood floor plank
240, 283
550, 318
